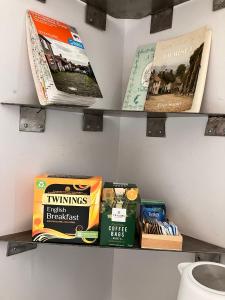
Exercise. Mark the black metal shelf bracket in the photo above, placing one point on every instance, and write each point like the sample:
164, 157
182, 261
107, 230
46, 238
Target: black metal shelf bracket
218, 4
162, 20
93, 121
32, 119
215, 126
14, 248
212, 257
162, 16
156, 127
95, 17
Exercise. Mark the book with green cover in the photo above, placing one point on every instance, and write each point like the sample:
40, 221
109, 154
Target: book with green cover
139, 79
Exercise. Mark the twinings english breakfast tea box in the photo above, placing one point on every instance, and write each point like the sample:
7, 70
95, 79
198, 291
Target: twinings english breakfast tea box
118, 214
66, 209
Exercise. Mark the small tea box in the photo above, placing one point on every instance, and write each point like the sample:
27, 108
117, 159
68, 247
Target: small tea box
152, 209
156, 231
118, 214
66, 209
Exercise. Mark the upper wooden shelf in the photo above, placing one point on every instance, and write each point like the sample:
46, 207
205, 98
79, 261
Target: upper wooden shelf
132, 9
190, 245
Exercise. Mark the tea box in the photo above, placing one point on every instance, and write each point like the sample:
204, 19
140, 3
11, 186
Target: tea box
66, 209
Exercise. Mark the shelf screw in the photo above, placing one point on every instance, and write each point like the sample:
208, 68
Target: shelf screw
210, 131
91, 20
25, 125
198, 258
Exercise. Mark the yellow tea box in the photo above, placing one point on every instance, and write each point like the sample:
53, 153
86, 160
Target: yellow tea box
66, 209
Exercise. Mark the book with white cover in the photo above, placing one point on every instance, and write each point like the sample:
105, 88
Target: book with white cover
61, 69
179, 72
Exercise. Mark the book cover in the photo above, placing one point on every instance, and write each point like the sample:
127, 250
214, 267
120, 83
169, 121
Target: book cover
179, 72
139, 79
64, 51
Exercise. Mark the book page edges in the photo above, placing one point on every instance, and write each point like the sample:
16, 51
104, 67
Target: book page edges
199, 92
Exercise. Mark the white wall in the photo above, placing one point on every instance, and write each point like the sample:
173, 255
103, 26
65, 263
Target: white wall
63, 148
56, 272
187, 17
146, 275
104, 49
53, 272
186, 169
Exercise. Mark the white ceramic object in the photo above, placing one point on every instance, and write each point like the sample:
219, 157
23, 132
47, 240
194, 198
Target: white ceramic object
201, 281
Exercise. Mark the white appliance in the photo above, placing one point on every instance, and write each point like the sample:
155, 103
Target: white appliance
202, 281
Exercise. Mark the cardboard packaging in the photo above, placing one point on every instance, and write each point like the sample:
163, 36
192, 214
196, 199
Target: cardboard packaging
66, 209
118, 214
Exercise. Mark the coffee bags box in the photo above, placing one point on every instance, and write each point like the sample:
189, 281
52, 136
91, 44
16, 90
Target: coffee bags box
118, 214
66, 209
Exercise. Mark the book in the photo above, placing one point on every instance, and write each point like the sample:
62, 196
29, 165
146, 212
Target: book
179, 72
139, 79
61, 69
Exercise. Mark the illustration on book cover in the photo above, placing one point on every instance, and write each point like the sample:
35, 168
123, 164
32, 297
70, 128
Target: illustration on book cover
178, 73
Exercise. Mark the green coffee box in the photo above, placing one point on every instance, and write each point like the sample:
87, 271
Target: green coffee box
118, 214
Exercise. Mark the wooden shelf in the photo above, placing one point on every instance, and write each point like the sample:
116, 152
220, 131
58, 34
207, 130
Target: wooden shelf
190, 245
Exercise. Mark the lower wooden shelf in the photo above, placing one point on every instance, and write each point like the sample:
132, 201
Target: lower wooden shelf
190, 245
